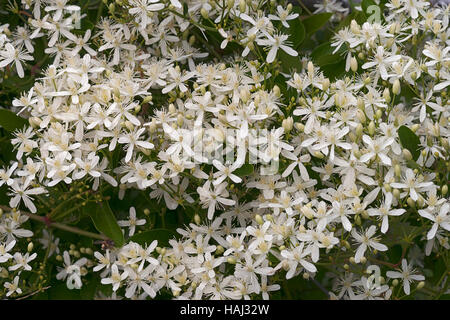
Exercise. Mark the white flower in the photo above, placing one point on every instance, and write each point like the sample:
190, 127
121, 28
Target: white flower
14, 55
366, 240
412, 184
275, 42
225, 172
442, 219
71, 271
22, 192
4, 249
115, 278
297, 256
385, 211
212, 199
22, 261
132, 222
406, 274
13, 287
283, 15
132, 140
377, 148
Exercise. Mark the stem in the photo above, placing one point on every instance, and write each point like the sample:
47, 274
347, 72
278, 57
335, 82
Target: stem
61, 226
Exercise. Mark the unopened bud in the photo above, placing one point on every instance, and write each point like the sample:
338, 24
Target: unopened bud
30, 247
444, 189
276, 90
396, 87
242, 6
197, 219
180, 120
371, 128
259, 219
288, 124
353, 64
386, 95
325, 84
231, 260
407, 154
411, 202
219, 249
300, 126
204, 13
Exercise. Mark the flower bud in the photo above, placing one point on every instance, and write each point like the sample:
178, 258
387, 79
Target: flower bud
180, 120
325, 84
276, 90
396, 193
305, 275
386, 95
420, 202
378, 114
310, 67
300, 126
242, 6
396, 87
204, 13
259, 219
197, 219
420, 285
219, 249
411, 202
444, 189
371, 128
30, 247
395, 282
319, 155
407, 154
231, 260
361, 116
363, 260
397, 170
353, 64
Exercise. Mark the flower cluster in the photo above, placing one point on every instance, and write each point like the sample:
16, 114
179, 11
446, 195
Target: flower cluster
271, 174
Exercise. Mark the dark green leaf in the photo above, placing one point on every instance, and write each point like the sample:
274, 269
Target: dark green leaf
297, 33
10, 121
147, 237
105, 221
409, 141
323, 55
245, 170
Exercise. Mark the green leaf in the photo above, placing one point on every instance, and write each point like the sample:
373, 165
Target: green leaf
372, 11
10, 121
245, 170
316, 21
105, 221
147, 237
409, 141
289, 63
